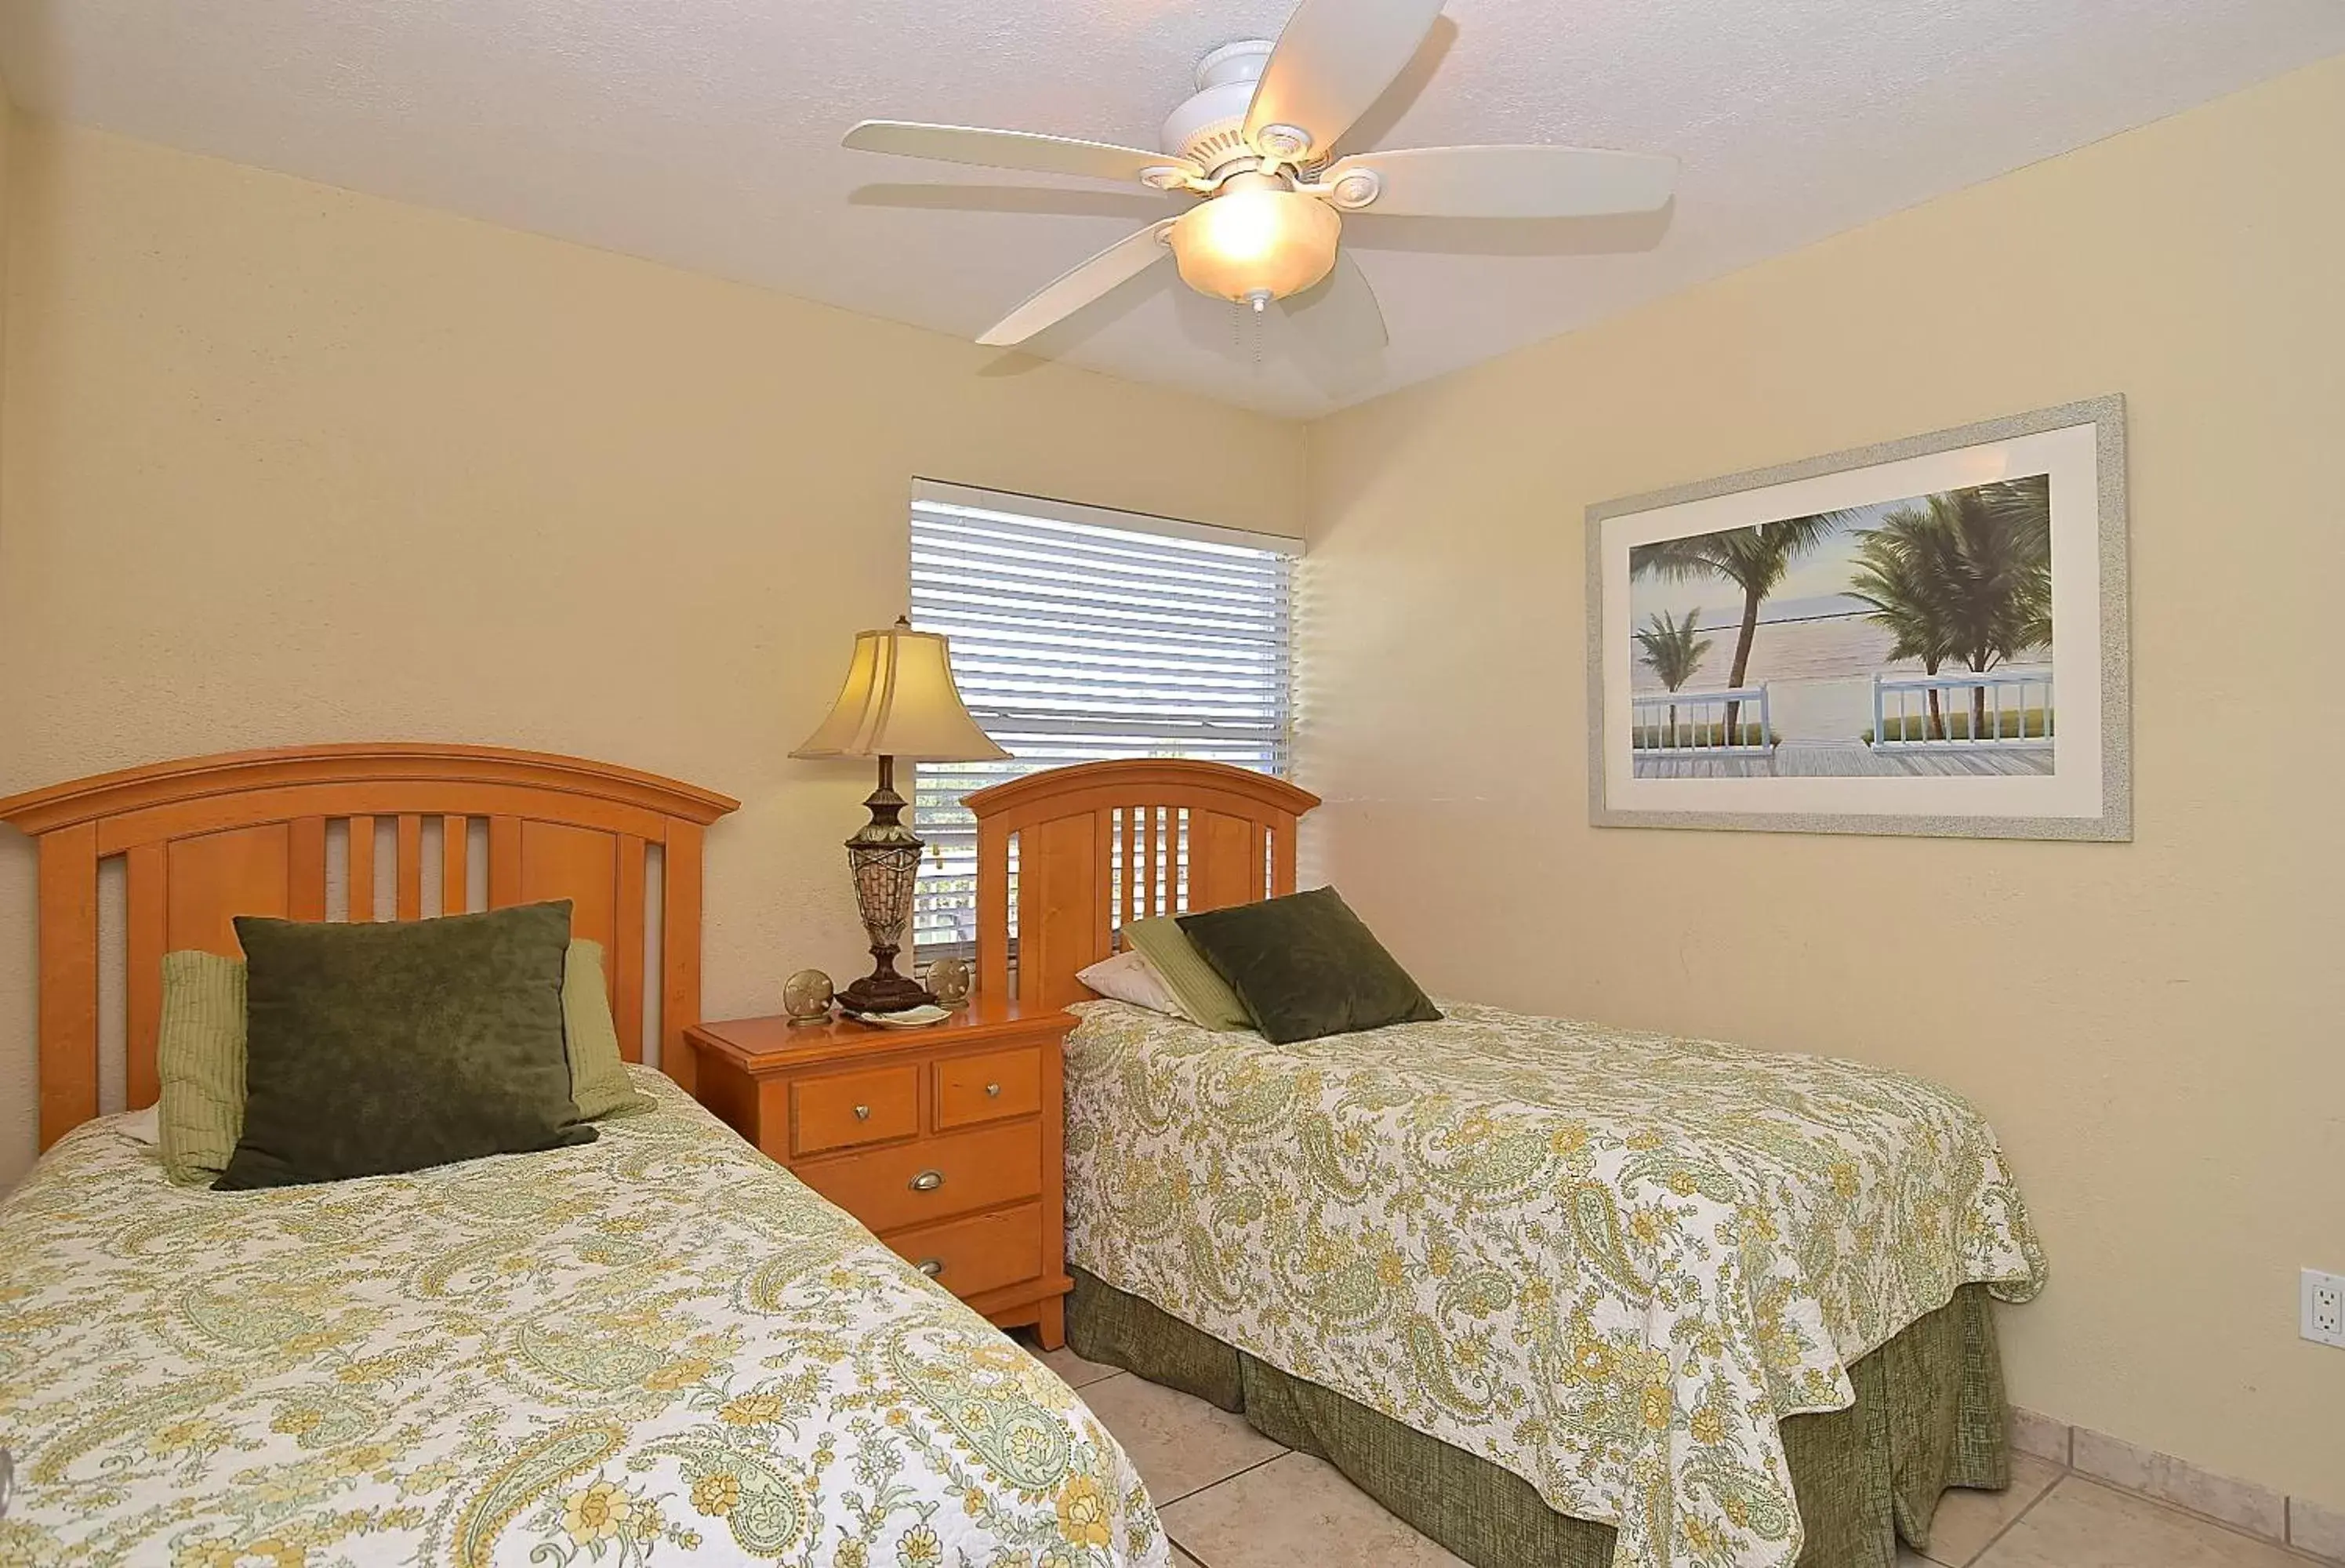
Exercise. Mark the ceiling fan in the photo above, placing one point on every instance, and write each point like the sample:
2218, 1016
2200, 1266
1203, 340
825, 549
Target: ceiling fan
1257, 142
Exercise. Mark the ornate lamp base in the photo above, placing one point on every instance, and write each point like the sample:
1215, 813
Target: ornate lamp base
885, 991
884, 857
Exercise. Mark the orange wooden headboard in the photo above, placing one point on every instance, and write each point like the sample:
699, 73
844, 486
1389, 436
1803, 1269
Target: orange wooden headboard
1090, 846
206, 839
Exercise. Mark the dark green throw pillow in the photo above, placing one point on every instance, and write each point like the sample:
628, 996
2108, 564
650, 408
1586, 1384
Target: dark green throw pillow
389, 1047
1304, 966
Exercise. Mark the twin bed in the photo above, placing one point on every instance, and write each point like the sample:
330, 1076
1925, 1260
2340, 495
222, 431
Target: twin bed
1556, 1295
657, 1346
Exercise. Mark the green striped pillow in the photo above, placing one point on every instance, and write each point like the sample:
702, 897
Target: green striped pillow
598, 1074
1204, 994
199, 1056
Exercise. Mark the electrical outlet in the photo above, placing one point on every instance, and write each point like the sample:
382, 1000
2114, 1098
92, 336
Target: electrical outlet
2324, 1308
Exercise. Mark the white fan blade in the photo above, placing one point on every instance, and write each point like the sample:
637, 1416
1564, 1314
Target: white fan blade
1012, 149
1080, 285
1511, 181
1334, 58
1339, 320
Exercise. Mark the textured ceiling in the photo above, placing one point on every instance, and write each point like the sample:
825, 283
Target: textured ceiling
704, 133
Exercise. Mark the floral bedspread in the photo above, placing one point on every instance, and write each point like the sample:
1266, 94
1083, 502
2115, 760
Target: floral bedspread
1609, 1262
656, 1348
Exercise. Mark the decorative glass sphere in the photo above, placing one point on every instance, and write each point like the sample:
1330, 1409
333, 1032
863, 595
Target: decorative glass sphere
951, 980
807, 997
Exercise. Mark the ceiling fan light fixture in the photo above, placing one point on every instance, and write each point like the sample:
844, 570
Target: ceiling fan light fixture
1256, 141
1256, 239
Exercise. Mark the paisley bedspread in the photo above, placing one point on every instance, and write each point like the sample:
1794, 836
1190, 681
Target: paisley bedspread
656, 1348
1609, 1262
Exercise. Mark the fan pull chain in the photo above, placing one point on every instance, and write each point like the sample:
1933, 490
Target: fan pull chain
1253, 305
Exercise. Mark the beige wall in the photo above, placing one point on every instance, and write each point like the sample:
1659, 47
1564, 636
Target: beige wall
2155, 1026
7, 134
286, 464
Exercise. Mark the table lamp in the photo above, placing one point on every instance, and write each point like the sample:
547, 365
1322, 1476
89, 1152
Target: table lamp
898, 703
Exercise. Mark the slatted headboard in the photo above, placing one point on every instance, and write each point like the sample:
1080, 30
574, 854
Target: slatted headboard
1080, 850
206, 839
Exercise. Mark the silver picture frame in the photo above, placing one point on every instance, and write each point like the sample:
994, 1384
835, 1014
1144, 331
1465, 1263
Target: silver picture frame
2085, 792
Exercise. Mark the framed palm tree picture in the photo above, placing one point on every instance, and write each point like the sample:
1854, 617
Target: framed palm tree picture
1927, 637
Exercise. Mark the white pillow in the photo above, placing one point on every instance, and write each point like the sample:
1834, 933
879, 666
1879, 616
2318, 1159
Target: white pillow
142, 1126
1131, 978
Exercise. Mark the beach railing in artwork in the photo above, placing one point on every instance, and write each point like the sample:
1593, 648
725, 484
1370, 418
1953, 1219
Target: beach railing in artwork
1970, 710
1691, 722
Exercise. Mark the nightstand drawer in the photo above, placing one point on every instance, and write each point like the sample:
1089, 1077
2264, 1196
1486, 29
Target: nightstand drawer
990, 1087
934, 1178
850, 1108
970, 1257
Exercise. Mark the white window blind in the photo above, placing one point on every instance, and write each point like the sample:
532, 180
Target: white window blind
1078, 634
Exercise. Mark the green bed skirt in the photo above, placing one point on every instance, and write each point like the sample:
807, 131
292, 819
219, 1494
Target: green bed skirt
1929, 1414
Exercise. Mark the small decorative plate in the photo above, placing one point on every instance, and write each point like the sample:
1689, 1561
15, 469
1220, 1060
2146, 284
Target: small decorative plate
910, 1018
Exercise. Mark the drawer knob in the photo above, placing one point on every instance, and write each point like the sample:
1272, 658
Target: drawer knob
863, 1113
993, 1091
931, 1267
927, 1181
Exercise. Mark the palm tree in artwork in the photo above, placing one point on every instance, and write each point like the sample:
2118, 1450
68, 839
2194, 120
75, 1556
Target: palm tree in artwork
1753, 559
1672, 652
2024, 508
1966, 575
1906, 600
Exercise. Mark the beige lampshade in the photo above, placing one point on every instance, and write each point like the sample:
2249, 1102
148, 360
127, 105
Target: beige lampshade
900, 700
1257, 240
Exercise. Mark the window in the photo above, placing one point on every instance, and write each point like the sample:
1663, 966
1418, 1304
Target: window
1079, 634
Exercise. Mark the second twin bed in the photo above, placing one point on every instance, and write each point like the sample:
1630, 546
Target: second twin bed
1557, 1294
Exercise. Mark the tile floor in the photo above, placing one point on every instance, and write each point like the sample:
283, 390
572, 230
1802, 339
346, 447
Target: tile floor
1230, 1498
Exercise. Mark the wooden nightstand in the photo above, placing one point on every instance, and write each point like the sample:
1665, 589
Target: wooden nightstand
947, 1142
